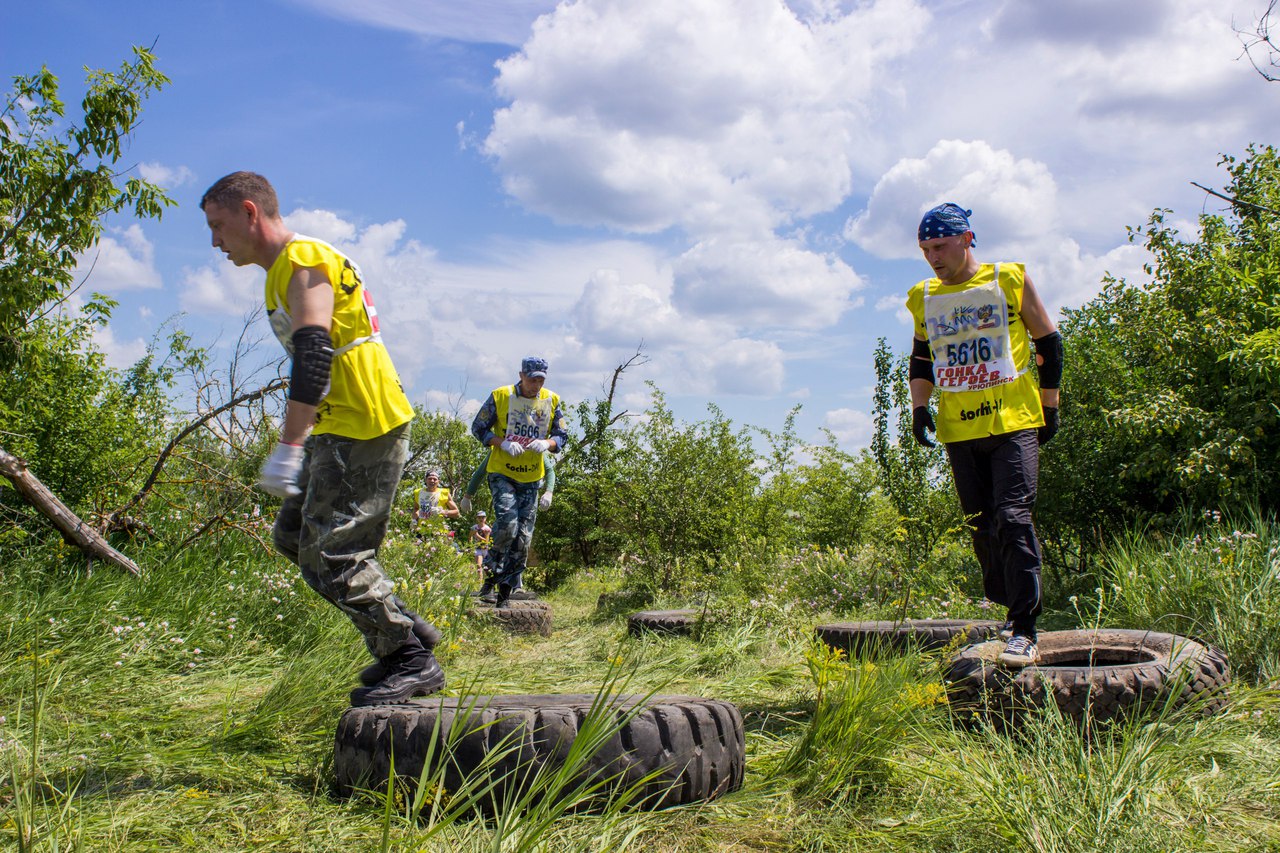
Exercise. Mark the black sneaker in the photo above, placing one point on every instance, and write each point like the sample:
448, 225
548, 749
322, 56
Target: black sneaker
486, 589
1020, 652
504, 596
429, 635
417, 673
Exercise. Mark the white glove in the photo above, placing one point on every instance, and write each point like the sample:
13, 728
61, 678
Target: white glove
545, 501
279, 475
464, 504
539, 445
512, 448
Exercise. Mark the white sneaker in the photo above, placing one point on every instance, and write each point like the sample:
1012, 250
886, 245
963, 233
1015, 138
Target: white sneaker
1020, 652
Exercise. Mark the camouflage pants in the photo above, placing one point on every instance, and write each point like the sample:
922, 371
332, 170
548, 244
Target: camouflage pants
333, 530
515, 510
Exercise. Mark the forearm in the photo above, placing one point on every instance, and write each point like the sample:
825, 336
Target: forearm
298, 420
477, 476
921, 391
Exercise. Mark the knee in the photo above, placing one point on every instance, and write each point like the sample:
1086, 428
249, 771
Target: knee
1014, 517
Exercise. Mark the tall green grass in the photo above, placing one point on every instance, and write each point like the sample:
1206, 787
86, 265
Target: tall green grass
1215, 578
194, 709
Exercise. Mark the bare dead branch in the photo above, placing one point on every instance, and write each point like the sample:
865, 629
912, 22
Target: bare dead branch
239, 400
1261, 37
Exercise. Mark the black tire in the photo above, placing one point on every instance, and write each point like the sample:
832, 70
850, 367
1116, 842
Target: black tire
696, 746
1090, 675
679, 622
616, 601
860, 639
522, 617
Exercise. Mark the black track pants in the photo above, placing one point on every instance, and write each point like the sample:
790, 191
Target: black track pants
996, 481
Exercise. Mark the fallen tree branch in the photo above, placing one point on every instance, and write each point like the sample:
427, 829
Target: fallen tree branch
72, 528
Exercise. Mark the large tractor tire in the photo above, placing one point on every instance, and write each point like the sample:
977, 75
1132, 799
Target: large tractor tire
861, 639
694, 748
522, 617
675, 622
1091, 675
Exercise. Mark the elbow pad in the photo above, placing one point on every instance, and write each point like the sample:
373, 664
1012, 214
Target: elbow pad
921, 366
1050, 349
312, 361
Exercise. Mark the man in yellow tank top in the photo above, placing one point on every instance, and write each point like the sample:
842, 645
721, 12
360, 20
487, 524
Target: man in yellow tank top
345, 436
432, 504
974, 329
519, 423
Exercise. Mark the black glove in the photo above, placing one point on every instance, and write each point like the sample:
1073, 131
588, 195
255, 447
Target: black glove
1050, 428
922, 419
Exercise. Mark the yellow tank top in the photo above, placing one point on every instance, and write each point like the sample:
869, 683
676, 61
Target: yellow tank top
521, 419
960, 312
365, 399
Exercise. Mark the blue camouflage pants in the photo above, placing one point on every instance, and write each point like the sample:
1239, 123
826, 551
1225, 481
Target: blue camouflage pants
333, 530
515, 510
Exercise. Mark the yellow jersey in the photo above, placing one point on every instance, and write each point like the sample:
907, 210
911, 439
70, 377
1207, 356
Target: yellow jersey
365, 398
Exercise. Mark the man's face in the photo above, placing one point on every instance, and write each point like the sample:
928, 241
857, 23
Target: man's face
432, 482
531, 385
947, 256
231, 232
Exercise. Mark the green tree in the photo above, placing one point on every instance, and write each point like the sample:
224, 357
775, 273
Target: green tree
82, 426
916, 479
1170, 398
56, 187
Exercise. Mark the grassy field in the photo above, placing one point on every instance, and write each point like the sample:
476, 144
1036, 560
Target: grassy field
194, 709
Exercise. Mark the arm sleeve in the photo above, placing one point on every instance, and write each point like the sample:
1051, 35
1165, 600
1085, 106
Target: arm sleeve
482, 425
549, 460
557, 430
473, 485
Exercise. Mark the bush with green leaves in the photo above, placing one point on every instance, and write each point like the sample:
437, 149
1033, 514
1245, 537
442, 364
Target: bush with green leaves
1170, 396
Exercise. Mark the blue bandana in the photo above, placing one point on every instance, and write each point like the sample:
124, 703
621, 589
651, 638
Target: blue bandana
945, 220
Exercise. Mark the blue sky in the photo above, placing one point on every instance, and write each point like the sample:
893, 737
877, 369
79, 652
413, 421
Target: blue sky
734, 183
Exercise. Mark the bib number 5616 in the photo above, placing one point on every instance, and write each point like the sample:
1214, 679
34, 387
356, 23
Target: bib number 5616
976, 351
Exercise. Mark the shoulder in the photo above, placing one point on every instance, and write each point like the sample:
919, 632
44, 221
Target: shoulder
310, 251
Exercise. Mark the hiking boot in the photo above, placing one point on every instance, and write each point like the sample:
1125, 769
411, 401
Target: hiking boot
504, 596
410, 673
429, 635
1020, 652
486, 589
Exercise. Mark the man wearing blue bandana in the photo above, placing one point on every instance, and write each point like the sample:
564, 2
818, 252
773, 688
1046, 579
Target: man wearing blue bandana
975, 325
519, 424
